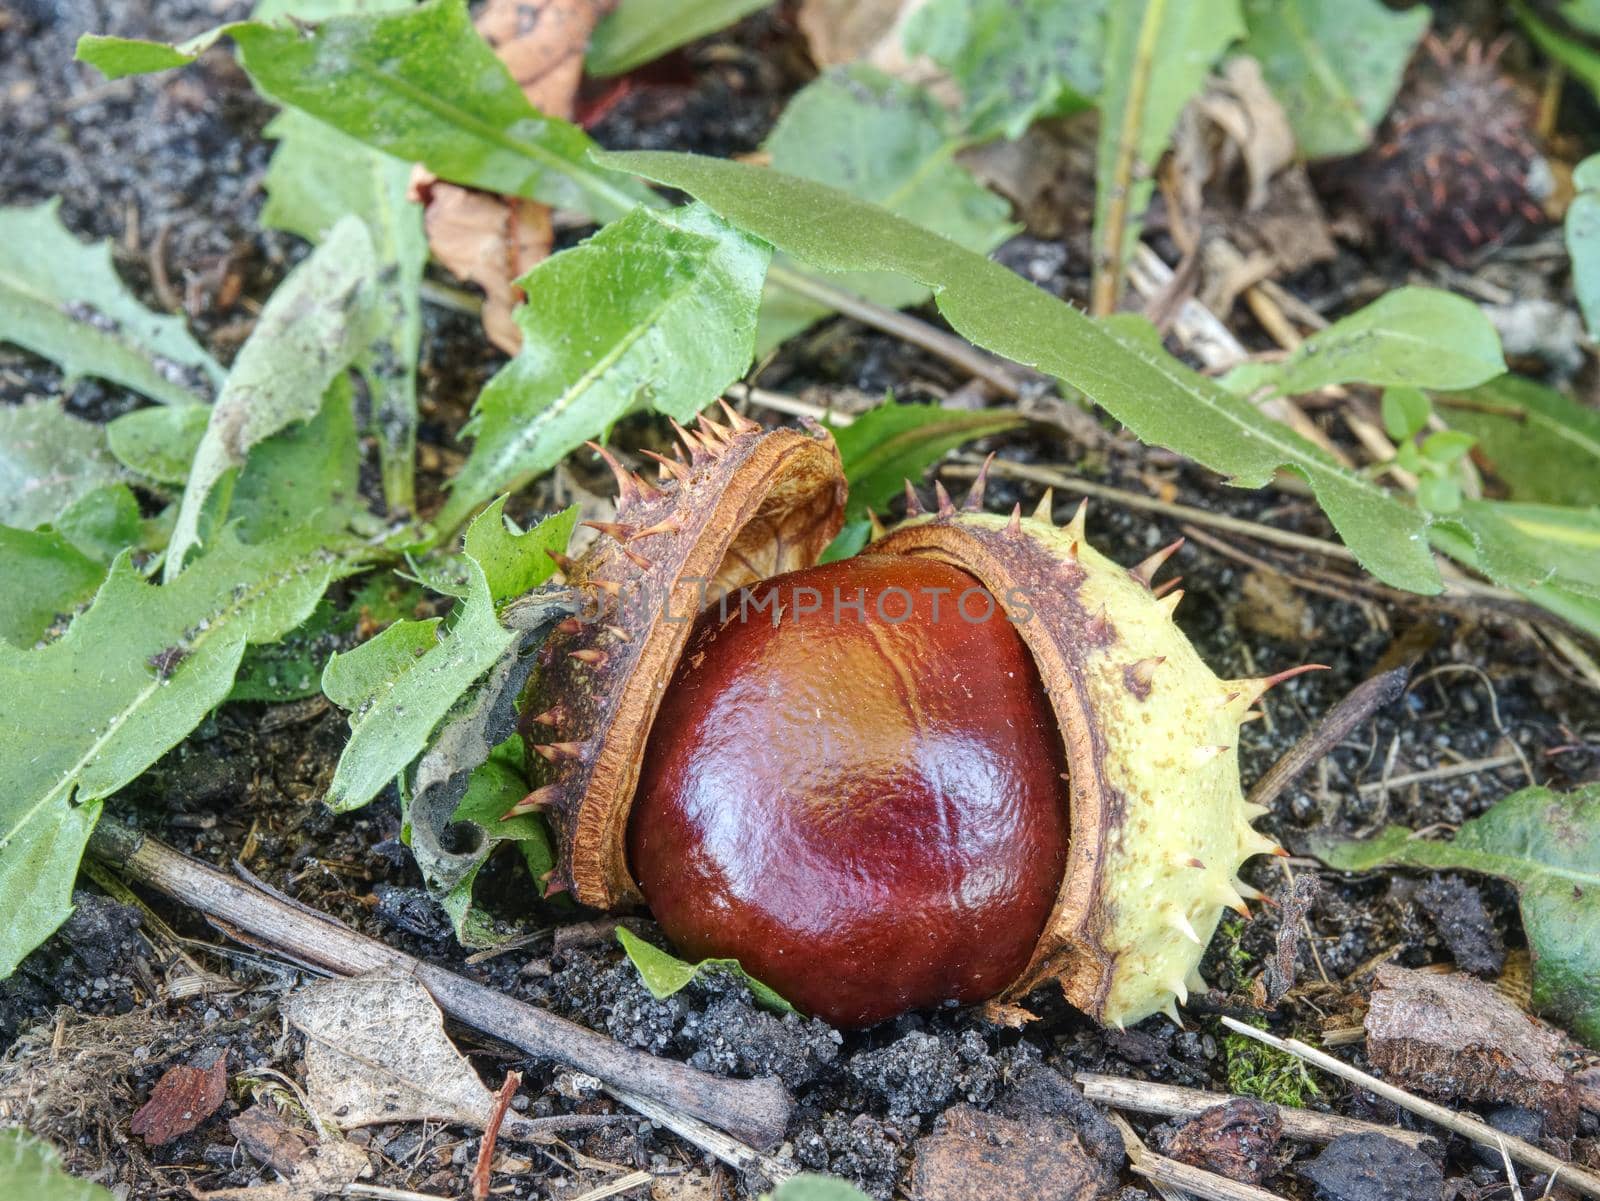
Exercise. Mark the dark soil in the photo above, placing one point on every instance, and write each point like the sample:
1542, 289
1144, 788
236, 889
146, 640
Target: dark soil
170, 169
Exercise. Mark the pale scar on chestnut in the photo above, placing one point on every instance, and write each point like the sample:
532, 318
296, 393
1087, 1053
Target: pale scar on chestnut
1140, 742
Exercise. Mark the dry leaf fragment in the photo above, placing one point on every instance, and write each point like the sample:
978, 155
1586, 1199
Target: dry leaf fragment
542, 43
1240, 106
332, 1164
1456, 1038
269, 1139
183, 1098
491, 240
376, 1051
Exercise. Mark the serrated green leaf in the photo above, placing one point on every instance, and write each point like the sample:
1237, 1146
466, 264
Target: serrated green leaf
1156, 58
419, 84
305, 477
1583, 241
901, 155
103, 523
637, 31
514, 562
42, 576
396, 695
316, 322
1528, 546
290, 669
64, 301
1335, 65
48, 459
159, 443
665, 974
1158, 398
132, 675
30, 1170
317, 176
356, 680
655, 310
1405, 410
1411, 337
1548, 845
1545, 446
808, 1186
1013, 61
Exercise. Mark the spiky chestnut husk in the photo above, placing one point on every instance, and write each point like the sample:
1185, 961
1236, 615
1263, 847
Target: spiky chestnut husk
1158, 823
1449, 172
746, 505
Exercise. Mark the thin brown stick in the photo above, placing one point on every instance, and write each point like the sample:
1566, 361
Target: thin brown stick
1470, 768
1479, 1132
491, 1134
1360, 703
755, 1111
1173, 1101
1170, 1174
958, 352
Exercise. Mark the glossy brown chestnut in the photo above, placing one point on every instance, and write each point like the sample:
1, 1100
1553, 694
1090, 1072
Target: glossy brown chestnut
863, 804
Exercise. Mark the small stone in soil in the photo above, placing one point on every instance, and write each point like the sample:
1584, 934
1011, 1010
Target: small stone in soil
1371, 1167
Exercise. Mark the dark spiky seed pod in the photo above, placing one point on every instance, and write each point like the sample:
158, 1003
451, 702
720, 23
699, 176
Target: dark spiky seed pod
1449, 172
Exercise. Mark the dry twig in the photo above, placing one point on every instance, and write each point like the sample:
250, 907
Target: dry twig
1173, 1101
753, 1110
1468, 1127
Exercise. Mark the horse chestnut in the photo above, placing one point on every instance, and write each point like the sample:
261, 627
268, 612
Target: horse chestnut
871, 817
854, 786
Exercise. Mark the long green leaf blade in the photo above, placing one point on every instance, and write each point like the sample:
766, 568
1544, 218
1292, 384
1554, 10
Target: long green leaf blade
419, 84
1156, 397
317, 176
317, 321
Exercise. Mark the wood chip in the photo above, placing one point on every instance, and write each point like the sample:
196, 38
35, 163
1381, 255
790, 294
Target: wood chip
976, 1156
1456, 1038
183, 1098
